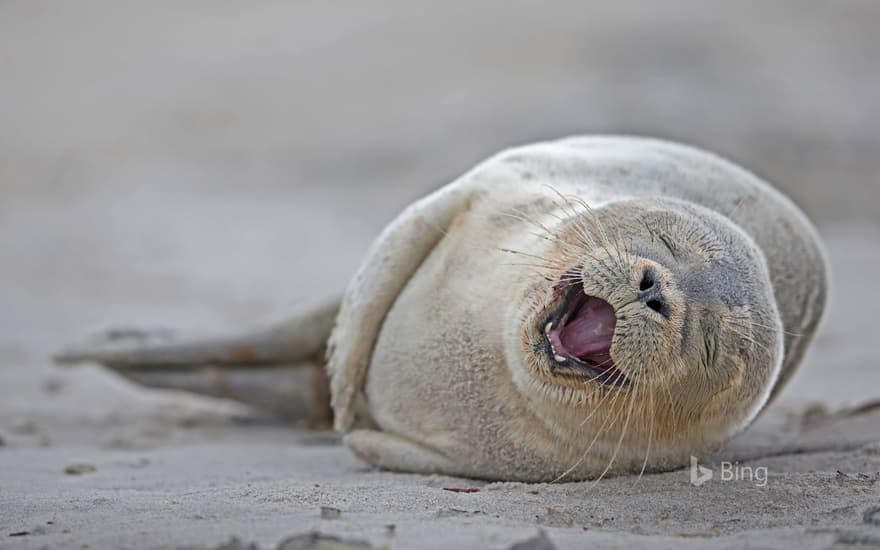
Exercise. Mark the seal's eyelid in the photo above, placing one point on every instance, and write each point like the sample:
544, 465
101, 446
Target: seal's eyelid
658, 233
710, 344
667, 242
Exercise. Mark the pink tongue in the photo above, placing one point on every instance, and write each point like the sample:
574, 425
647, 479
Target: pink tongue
588, 334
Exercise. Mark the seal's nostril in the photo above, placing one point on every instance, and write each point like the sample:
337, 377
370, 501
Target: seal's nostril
651, 293
648, 280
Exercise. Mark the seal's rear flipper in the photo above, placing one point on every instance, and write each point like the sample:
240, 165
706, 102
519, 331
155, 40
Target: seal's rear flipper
302, 337
279, 368
298, 391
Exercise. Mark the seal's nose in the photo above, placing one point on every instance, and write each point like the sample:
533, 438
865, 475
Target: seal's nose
651, 293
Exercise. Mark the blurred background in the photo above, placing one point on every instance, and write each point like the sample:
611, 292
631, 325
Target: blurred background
216, 164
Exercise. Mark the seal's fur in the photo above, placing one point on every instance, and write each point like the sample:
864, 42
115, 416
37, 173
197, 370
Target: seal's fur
694, 288
440, 327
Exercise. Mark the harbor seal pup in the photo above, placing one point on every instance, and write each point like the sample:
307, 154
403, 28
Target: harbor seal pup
565, 310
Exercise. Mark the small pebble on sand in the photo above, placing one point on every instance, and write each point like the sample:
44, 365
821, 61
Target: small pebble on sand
79, 469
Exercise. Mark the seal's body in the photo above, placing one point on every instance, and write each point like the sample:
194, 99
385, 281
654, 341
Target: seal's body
570, 309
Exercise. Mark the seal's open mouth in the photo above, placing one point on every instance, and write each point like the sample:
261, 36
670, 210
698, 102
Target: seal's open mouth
579, 335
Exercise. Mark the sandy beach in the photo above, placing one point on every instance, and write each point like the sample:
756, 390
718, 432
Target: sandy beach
214, 165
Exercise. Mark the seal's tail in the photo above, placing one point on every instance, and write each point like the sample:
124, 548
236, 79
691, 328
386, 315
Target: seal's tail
279, 368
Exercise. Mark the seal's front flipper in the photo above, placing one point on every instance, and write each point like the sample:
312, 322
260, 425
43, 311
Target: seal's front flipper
279, 368
390, 262
393, 452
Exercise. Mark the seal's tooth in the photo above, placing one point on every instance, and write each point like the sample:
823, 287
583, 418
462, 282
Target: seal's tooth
548, 327
559, 358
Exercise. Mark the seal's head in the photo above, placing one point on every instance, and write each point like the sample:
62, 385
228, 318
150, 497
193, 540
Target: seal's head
659, 328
